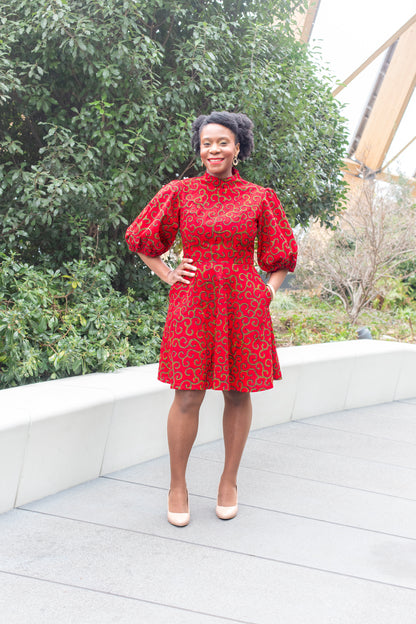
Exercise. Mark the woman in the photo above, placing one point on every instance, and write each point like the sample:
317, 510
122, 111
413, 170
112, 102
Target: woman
218, 331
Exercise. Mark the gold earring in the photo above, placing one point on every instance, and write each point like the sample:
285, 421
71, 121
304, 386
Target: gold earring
235, 161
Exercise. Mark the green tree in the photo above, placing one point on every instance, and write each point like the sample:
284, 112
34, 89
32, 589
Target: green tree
96, 101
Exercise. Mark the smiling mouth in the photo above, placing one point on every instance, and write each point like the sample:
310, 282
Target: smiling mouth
214, 160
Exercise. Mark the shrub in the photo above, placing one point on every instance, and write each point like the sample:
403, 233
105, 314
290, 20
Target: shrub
59, 323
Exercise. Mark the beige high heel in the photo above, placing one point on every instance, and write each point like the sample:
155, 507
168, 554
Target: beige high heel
179, 519
226, 513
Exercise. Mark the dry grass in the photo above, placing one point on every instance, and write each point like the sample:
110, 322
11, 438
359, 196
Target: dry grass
304, 318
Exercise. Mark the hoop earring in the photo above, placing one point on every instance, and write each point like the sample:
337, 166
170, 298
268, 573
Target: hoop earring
235, 161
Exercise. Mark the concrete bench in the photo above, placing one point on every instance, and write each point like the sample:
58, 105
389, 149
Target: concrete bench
57, 434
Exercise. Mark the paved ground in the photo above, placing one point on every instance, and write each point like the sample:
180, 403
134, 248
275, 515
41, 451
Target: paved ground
326, 533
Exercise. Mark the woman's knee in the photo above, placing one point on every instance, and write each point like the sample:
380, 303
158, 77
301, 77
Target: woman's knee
189, 400
236, 398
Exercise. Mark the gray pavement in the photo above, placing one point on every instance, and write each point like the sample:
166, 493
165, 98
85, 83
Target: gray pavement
326, 534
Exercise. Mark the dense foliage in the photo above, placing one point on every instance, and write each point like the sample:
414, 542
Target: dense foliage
59, 323
96, 103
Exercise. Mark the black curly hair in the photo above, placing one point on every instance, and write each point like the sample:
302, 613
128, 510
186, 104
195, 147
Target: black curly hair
238, 123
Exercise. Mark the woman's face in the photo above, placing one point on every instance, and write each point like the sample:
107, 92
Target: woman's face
218, 150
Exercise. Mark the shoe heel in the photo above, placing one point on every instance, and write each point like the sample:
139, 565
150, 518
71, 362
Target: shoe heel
179, 519
226, 513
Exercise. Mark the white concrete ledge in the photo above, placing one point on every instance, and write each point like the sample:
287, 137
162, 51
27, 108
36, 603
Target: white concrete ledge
56, 434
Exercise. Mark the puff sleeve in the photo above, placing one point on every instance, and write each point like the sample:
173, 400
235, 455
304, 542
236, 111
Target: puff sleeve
277, 248
154, 230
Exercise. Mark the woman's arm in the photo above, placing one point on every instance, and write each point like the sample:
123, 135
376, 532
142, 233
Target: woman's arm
276, 279
168, 275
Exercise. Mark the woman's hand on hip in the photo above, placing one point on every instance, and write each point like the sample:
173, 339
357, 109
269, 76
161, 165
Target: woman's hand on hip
183, 271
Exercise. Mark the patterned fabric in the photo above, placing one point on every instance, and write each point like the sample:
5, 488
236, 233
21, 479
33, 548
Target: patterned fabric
218, 331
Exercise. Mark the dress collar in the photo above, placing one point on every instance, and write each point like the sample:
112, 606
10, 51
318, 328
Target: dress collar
214, 181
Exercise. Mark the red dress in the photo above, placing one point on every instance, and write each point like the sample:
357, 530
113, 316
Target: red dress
218, 331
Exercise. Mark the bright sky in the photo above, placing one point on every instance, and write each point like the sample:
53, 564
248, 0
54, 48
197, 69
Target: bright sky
347, 34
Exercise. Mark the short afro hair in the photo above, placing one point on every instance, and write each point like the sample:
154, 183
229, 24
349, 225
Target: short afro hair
238, 123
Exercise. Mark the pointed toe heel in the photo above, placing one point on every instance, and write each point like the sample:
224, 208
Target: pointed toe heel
226, 513
179, 519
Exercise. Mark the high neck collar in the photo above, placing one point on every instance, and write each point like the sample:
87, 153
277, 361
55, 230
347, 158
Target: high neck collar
214, 181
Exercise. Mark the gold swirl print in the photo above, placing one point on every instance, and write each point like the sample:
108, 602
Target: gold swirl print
218, 331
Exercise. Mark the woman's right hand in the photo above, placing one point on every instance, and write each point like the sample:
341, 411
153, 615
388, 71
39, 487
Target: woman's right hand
184, 270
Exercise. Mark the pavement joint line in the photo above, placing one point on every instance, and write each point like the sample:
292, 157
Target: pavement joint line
370, 435
156, 487
251, 506
333, 429
314, 450
222, 549
318, 450
293, 476
283, 513
125, 597
406, 401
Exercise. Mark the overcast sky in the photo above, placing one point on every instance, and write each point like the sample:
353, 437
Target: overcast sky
348, 33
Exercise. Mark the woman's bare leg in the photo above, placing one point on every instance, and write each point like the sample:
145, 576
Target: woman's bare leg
182, 429
236, 426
